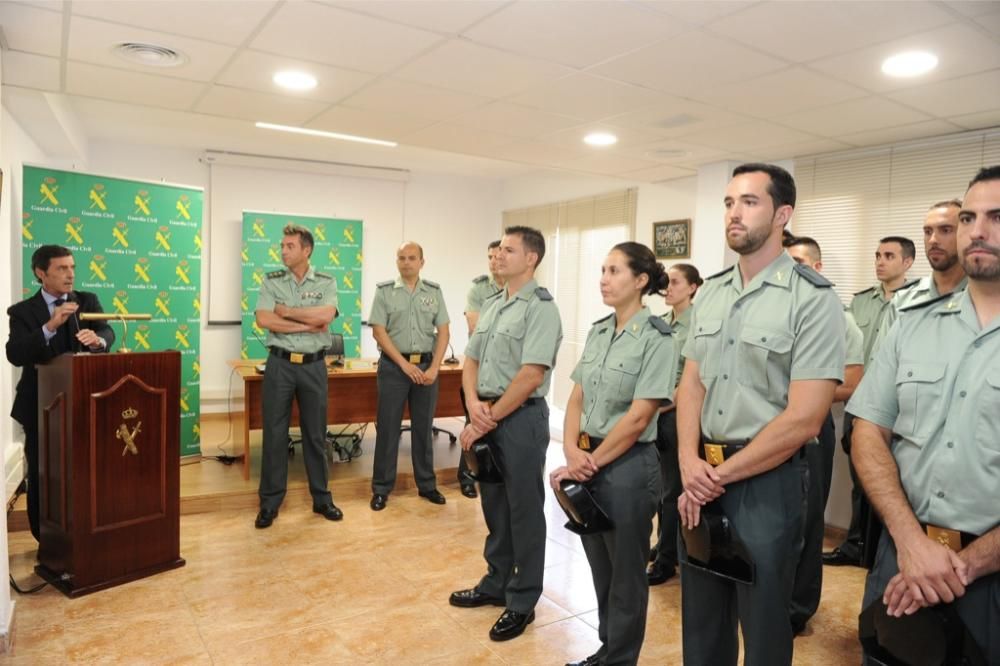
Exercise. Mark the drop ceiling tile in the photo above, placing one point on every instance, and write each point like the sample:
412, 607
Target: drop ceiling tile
573, 137
698, 12
804, 31
255, 106
442, 16
455, 138
254, 70
672, 151
223, 21
660, 173
675, 116
134, 87
969, 94
30, 71
321, 33
391, 95
573, 33
972, 7
533, 152
91, 41
753, 136
991, 22
514, 120
390, 126
479, 70
32, 29
905, 132
679, 66
588, 97
980, 120
798, 149
608, 164
851, 117
961, 50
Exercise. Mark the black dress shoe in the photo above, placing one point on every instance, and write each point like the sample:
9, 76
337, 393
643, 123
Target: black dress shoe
837, 558
657, 573
798, 627
378, 502
469, 490
654, 552
473, 598
511, 625
433, 496
329, 511
592, 660
265, 518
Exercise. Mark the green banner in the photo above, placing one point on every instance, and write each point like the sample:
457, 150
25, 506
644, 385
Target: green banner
338, 252
137, 245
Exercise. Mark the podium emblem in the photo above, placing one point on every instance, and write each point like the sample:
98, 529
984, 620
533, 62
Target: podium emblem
129, 436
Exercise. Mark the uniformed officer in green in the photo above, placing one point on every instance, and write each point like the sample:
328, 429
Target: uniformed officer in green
508, 368
872, 310
296, 306
410, 323
626, 371
764, 356
483, 287
808, 586
927, 439
684, 283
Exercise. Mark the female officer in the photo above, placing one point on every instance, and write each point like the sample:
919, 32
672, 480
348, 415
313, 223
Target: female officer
684, 282
626, 370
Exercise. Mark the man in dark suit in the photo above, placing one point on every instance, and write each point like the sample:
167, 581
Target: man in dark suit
41, 328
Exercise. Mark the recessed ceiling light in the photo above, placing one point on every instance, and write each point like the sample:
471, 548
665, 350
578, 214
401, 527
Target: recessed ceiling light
327, 135
909, 64
600, 139
291, 79
150, 55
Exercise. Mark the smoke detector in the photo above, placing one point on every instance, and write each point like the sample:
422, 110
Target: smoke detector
150, 55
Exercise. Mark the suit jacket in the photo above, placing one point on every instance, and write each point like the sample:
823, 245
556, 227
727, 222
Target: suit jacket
26, 345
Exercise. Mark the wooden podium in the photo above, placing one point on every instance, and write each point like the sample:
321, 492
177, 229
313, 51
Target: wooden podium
109, 465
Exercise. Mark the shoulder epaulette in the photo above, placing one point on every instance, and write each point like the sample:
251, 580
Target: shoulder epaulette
387, 283
864, 291
907, 285
603, 319
481, 278
492, 296
661, 325
323, 275
812, 277
721, 273
543, 294
924, 304
276, 274
433, 285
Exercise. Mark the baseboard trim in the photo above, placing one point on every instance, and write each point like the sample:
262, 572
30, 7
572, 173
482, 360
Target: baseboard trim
9, 632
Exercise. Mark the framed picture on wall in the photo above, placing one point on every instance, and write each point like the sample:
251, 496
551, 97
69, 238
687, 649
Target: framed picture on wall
672, 239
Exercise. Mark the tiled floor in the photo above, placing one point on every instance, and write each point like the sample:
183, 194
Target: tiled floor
371, 589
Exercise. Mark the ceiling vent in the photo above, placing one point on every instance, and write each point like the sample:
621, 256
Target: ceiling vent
149, 55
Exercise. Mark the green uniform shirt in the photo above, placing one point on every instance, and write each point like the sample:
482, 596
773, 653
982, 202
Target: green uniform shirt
750, 343
482, 288
923, 291
936, 384
681, 326
410, 319
515, 330
315, 289
855, 340
614, 370
869, 308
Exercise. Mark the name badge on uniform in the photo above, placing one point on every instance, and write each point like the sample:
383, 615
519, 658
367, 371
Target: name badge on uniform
428, 301
312, 294
715, 454
414, 358
584, 442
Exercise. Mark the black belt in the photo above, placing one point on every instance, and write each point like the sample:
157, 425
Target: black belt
714, 452
954, 539
296, 357
587, 442
530, 402
416, 357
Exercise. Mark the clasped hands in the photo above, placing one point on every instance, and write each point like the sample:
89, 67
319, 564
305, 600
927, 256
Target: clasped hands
481, 421
702, 484
580, 466
929, 574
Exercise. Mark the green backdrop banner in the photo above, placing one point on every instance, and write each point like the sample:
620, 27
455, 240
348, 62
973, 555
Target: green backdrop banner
137, 245
338, 252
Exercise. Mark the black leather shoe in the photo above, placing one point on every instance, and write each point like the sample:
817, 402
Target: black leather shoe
265, 518
657, 573
654, 552
469, 491
798, 627
592, 660
511, 625
474, 599
378, 502
837, 558
433, 496
329, 511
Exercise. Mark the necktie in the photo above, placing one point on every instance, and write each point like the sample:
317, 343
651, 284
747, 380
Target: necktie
62, 340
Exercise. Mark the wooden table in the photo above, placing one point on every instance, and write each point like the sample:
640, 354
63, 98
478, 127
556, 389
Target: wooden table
352, 398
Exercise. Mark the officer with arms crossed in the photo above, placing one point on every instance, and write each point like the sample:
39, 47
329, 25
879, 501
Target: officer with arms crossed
765, 353
508, 367
296, 307
626, 370
927, 439
41, 328
410, 324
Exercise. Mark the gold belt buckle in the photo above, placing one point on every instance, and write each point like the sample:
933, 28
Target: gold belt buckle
950, 538
715, 454
415, 358
295, 357
583, 443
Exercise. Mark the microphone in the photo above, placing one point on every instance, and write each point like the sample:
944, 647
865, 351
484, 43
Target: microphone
71, 298
451, 360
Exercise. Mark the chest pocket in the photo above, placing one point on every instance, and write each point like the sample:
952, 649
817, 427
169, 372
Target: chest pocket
708, 346
920, 387
988, 426
765, 357
509, 338
621, 376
